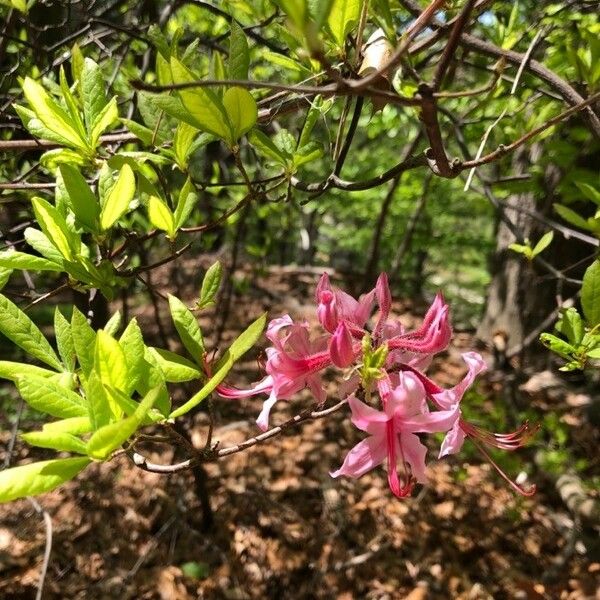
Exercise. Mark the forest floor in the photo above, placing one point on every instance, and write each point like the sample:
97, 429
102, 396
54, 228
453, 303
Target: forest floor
283, 528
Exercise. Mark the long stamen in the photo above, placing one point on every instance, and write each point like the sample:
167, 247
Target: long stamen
513, 484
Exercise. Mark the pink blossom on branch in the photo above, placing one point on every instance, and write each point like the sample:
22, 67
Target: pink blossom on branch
385, 367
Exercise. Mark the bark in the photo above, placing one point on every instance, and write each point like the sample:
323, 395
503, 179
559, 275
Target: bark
521, 294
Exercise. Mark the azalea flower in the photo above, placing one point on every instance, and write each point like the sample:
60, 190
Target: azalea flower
393, 433
384, 364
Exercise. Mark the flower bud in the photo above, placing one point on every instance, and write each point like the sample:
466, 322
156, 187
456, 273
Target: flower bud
340, 347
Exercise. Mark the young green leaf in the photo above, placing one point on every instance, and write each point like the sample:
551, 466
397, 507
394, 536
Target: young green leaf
64, 340
543, 243
55, 228
82, 200
570, 325
175, 368
38, 477
343, 16
92, 91
40, 243
186, 202
296, 10
239, 56
570, 216
84, 340
108, 116
77, 65
56, 441
239, 347
203, 105
73, 425
51, 114
110, 437
591, 193
71, 104
48, 397
590, 294
160, 216
20, 329
265, 146
187, 328
132, 344
13, 370
12, 259
241, 109
99, 406
113, 324
109, 361
210, 285
5, 274
557, 345
117, 201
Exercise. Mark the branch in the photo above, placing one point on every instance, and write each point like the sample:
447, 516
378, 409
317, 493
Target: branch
214, 454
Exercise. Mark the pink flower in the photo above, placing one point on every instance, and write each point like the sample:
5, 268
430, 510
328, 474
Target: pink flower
341, 348
392, 433
293, 363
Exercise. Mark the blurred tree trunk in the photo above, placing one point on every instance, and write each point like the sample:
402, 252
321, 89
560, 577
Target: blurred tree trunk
522, 294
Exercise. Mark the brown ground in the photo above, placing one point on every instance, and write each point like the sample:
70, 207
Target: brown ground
285, 529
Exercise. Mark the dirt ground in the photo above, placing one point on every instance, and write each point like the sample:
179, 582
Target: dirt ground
283, 528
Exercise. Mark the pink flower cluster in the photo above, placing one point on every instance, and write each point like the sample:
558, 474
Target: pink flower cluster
390, 397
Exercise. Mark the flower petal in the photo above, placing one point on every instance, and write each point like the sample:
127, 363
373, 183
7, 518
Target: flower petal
365, 417
366, 455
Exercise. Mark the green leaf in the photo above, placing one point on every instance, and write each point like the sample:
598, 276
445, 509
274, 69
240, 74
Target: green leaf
570, 216
570, 325
312, 116
82, 200
20, 5
56, 441
109, 361
265, 146
12, 259
182, 143
239, 56
521, 249
593, 353
590, 294
108, 116
20, 329
343, 16
4, 276
40, 243
187, 328
175, 368
39, 477
319, 10
92, 92
557, 345
77, 65
51, 114
239, 347
241, 109
110, 437
45, 395
543, 243
296, 10
132, 344
71, 103
13, 370
64, 340
117, 201
160, 216
55, 228
308, 153
73, 425
84, 340
210, 285
185, 204
99, 407
589, 192
203, 105
113, 324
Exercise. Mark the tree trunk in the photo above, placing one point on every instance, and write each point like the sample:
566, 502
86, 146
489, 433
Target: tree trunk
522, 294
